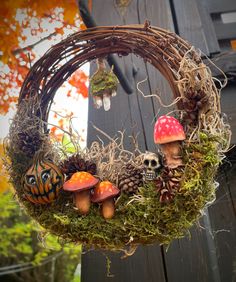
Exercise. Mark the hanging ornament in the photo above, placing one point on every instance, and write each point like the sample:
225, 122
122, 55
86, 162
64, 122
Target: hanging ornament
103, 86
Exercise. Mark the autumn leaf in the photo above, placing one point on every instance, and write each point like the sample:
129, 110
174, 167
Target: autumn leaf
79, 79
83, 26
69, 16
69, 93
12, 38
59, 30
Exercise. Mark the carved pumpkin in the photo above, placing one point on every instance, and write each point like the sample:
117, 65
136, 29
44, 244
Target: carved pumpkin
42, 182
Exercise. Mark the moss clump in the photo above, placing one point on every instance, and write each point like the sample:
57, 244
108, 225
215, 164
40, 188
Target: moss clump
103, 81
140, 219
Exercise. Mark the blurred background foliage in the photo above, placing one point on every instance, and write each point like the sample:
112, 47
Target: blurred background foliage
30, 27
22, 245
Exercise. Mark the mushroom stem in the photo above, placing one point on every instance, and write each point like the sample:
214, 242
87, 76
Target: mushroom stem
108, 208
172, 153
82, 201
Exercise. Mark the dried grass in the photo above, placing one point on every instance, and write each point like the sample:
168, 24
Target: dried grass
140, 219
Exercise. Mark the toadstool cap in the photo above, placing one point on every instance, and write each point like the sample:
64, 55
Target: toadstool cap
168, 129
80, 181
103, 191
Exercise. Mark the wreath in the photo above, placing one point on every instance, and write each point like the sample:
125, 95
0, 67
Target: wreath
107, 197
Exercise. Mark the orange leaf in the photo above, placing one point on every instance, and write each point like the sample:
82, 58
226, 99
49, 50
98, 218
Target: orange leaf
82, 26
68, 93
78, 80
59, 30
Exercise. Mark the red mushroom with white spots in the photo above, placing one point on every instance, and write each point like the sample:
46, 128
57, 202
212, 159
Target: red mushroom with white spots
104, 193
168, 132
81, 183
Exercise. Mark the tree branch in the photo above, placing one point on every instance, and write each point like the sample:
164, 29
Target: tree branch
31, 46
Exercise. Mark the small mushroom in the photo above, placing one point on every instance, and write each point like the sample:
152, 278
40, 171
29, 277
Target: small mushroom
104, 193
103, 85
168, 132
80, 183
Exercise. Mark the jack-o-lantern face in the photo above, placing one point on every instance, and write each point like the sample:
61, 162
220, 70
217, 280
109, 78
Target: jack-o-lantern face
42, 182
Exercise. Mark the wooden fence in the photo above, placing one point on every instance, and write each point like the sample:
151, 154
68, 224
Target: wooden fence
210, 253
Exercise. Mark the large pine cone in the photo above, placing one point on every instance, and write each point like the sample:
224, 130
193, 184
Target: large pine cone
77, 163
193, 102
29, 144
168, 183
130, 180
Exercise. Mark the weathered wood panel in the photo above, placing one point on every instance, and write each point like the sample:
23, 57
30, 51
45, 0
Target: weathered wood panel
225, 30
228, 102
147, 263
179, 254
208, 27
198, 259
223, 220
190, 25
219, 6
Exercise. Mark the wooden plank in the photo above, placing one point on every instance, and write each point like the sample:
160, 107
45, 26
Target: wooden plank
225, 31
223, 218
225, 62
228, 102
144, 106
146, 264
188, 256
231, 180
209, 30
141, 113
159, 14
219, 6
190, 24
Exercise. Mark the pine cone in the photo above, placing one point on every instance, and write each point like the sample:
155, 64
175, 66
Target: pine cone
29, 144
130, 180
193, 102
168, 183
77, 163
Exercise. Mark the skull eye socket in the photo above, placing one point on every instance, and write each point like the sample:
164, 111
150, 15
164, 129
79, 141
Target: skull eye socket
45, 175
30, 179
146, 162
153, 163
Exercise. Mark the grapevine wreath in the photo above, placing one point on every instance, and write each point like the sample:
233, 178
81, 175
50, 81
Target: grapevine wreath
107, 197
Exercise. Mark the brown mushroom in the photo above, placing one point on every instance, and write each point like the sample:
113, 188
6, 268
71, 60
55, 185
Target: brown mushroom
81, 183
168, 132
104, 193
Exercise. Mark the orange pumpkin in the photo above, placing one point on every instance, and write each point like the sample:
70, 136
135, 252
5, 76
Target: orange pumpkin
42, 182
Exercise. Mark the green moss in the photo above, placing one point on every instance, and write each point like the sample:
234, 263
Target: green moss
102, 81
140, 219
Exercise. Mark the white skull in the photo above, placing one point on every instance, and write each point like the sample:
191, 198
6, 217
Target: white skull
152, 165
